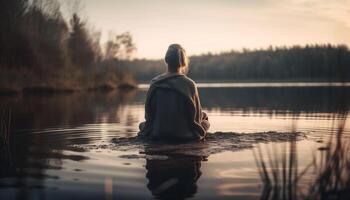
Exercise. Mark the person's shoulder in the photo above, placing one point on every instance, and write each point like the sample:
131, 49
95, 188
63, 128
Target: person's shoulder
191, 85
189, 81
156, 78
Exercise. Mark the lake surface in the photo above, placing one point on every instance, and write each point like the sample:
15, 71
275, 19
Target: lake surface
61, 146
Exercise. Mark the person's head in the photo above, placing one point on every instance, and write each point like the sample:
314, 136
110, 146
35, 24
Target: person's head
176, 58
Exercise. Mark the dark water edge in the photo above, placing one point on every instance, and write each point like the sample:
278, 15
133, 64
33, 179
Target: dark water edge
39, 90
46, 110
293, 99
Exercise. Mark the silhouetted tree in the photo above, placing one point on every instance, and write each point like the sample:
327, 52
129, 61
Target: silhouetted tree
120, 46
80, 46
39, 48
11, 36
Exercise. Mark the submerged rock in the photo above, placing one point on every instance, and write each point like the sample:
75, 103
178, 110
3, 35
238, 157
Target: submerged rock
215, 143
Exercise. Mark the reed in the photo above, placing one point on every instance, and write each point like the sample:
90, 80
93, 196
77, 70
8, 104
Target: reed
5, 124
278, 171
328, 174
332, 168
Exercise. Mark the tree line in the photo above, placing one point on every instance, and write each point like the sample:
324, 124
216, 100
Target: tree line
297, 63
41, 48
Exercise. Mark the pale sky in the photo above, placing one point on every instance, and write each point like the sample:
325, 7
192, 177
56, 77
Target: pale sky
203, 26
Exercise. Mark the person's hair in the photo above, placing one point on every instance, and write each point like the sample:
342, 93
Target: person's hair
176, 57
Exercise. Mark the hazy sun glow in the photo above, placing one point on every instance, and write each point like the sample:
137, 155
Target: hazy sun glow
218, 25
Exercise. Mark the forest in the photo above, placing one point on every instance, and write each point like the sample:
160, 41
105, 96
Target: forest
41, 50
310, 63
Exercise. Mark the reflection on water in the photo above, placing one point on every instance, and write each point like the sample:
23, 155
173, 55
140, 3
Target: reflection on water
42, 162
277, 101
173, 178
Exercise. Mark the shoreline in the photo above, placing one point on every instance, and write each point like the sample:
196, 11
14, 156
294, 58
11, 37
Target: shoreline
64, 90
257, 84
40, 89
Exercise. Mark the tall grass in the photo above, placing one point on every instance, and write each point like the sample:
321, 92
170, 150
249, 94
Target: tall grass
328, 175
279, 171
332, 168
5, 150
5, 124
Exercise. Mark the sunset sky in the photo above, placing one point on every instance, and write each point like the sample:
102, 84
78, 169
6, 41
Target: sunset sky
220, 25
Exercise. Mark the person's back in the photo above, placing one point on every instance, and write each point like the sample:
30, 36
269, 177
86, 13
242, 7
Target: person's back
172, 109
171, 115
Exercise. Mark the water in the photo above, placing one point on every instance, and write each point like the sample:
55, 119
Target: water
61, 144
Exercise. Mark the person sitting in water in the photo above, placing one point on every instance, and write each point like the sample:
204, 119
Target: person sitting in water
172, 109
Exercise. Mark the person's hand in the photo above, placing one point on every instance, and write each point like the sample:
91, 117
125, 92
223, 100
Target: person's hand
204, 116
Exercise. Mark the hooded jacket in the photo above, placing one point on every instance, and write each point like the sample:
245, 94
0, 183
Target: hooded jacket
173, 109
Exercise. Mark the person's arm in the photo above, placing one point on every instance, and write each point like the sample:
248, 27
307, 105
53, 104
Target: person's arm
202, 116
205, 121
149, 108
